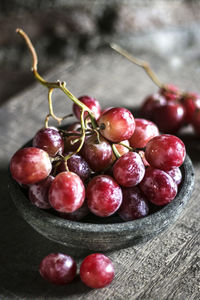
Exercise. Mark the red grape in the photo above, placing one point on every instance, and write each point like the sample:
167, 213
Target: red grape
58, 268
134, 204
50, 140
150, 103
144, 131
129, 169
97, 271
90, 102
38, 193
165, 152
169, 117
117, 124
104, 196
67, 192
98, 155
30, 165
76, 164
158, 186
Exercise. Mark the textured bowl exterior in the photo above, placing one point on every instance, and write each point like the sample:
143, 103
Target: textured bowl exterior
107, 236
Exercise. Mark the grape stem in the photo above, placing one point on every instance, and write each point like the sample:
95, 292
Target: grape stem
81, 139
115, 151
131, 148
139, 63
53, 85
51, 113
126, 146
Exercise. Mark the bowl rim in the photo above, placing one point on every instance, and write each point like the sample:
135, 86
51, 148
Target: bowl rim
185, 190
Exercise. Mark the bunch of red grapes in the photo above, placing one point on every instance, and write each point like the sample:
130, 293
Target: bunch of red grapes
123, 166
171, 109
106, 163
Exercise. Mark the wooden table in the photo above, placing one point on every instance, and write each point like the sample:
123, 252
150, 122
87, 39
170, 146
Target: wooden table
166, 267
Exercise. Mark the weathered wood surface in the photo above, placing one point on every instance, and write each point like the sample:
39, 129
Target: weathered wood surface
168, 266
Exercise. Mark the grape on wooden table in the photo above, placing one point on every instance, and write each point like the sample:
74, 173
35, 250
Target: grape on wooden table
58, 268
97, 271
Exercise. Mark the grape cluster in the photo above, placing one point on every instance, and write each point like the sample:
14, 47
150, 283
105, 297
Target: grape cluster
124, 164
108, 162
171, 109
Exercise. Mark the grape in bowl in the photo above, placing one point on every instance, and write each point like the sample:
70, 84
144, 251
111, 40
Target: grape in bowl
101, 234
100, 142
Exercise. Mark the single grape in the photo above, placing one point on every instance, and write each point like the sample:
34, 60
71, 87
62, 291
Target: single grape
175, 174
169, 117
134, 204
150, 103
144, 131
191, 103
98, 155
50, 140
104, 195
30, 165
117, 124
165, 152
129, 169
67, 192
97, 271
58, 268
38, 193
90, 102
78, 214
76, 164
158, 186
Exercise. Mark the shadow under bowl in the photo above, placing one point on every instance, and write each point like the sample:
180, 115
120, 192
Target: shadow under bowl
102, 234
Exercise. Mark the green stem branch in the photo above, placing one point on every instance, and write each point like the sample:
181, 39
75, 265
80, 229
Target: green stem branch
139, 63
115, 151
53, 85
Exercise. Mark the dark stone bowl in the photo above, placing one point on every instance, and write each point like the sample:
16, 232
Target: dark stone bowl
101, 234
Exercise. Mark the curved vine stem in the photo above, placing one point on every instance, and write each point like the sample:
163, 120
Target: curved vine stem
115, 151
52, 85
51, 113
139, 63
81, 139
126, 146
51, 107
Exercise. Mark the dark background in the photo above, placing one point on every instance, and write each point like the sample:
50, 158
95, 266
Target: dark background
62, 30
